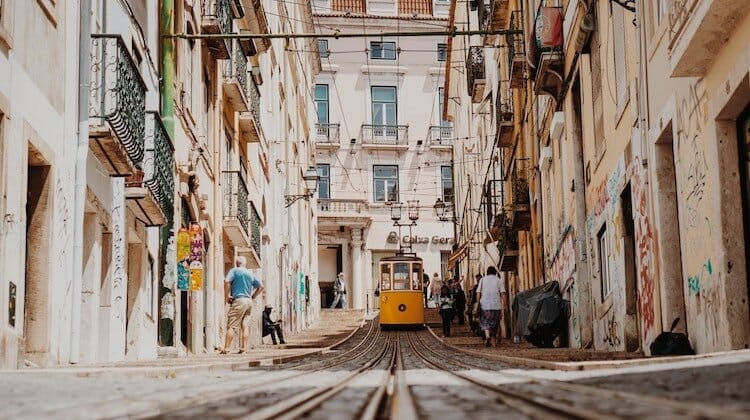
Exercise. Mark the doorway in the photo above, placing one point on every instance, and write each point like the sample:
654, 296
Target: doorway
743, 143
330, 263
632, 337
36, 283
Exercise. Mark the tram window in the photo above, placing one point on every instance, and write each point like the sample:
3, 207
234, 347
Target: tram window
416, 277
385, 277
401, 276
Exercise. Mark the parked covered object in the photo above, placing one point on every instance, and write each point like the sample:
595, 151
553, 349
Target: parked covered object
540, 314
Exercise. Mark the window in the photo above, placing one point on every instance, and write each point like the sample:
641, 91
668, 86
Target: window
323, 48
321, 103
620, 53
383, 50
604, 263
385, 178
446, 181
324, 180
383, 105
442, 52
441, 104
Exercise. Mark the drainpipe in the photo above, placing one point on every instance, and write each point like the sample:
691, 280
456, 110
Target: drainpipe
79, 199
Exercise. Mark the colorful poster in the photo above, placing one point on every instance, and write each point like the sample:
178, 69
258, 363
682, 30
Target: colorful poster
183, 275
183, 244
196, 276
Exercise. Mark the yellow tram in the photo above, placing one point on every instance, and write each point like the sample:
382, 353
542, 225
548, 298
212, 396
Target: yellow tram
401, 296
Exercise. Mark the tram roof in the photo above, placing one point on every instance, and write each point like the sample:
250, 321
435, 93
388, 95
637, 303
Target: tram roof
401, 258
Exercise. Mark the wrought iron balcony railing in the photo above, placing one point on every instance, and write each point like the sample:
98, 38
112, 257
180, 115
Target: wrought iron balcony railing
327, 134
255, 233
253, 97
220, 10
516, 51
484, 13
235, 199
504, 117
118, 94
475, 72
336, 205
391, 135
440, 135
236, 67
679, 12
159, 163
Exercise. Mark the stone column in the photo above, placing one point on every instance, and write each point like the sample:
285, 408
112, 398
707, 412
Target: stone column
357, 277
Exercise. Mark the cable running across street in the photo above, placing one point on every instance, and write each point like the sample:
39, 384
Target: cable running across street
337, 35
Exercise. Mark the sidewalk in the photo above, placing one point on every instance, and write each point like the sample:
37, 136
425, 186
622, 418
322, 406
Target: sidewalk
562, 359
332, 327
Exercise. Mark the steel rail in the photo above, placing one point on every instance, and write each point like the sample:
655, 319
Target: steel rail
337, 34
684, 407
532, 406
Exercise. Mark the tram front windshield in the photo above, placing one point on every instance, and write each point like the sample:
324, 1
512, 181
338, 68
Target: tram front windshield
401, 276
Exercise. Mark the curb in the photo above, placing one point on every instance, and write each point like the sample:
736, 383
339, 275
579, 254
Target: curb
585, 365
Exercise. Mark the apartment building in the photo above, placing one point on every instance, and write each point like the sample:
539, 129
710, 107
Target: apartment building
600, 96
133, 175
379, 142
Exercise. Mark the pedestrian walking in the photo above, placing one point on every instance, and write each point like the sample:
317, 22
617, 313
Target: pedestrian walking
272, 328
339, 290
436, 286
445, 302
460, 302
240, 288
425, 287
491, 294
474, 309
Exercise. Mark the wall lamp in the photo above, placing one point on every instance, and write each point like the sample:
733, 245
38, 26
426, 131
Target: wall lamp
442, 209
311, 185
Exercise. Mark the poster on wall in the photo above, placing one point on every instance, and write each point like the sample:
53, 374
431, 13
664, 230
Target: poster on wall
183, 244
195, 258
196, 276
183, 275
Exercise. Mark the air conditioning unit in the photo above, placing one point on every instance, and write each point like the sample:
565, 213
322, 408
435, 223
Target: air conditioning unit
545, 158
557, 126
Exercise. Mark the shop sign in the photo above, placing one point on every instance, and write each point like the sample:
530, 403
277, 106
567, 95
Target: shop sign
406, 240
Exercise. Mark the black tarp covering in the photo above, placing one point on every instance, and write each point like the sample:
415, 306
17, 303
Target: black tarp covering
541, 314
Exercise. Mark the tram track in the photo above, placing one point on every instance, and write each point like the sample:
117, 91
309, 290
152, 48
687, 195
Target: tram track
566, 399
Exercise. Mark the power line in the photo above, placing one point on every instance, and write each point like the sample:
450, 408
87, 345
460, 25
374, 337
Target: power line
337, 34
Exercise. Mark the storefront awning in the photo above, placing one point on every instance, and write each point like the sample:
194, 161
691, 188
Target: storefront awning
457, 255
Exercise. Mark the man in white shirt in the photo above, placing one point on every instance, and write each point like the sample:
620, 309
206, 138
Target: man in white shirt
492, 298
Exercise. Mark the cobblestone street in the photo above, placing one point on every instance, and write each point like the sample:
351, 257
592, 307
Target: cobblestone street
378, 374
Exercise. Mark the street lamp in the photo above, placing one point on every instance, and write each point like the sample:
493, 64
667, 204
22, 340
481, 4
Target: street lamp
395, 212
413, 206
440, 209
311, 185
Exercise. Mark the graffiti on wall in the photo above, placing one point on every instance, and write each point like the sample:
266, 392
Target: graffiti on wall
694, 281
646, 248
118, 250
564, 262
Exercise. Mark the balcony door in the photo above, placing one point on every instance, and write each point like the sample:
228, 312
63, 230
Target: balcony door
384, 111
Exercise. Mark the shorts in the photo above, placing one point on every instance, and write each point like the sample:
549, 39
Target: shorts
238, 310
490, 321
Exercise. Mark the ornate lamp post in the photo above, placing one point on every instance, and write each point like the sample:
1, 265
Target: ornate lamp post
311, 185
412, 213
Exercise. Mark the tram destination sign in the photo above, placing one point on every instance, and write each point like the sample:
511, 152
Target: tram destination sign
415, 240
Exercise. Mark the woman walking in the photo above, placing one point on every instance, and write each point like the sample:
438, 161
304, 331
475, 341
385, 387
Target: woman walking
445, 303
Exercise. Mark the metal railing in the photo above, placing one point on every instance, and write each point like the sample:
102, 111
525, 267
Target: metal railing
253, 99
679, 12
255, 233
159, 163
385, 134
520, 182
503, 104
515, 42
508, 240
235, 198
334, 205
327, 133
484, 13
440, 135
474, 67
236, 67
221, 10
118, 94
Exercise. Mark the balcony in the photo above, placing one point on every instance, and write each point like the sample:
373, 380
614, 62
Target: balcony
548, 53
475, 73
234, 81
117, 107
493, 16
504, 118
697, 31
335, 212
440, 137
216, 18
516, 52
150, 191
249, 121
236, 209
252, 253
327, 136
394, 137
521, 197
508, 247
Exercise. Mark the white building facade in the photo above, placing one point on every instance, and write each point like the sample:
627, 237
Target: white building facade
379, 139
